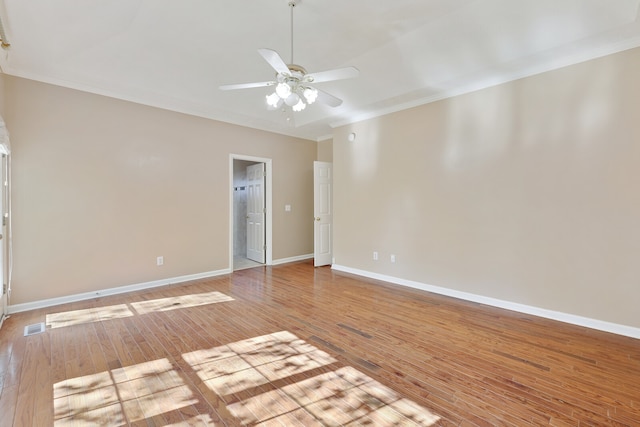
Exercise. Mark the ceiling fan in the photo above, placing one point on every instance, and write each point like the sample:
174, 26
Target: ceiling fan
293, 83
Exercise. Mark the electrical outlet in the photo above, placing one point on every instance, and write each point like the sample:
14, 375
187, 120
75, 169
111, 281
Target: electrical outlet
393, 258
375, 255
160, 260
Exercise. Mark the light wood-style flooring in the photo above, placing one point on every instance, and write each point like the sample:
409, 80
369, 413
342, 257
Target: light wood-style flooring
298, 345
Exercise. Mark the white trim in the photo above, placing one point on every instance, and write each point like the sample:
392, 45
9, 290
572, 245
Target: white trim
600, 325
2, 319
16, 308
201, 110
292, 259
268, 205
495, 80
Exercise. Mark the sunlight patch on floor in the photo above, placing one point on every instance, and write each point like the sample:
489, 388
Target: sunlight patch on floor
198, 420
183, 301
275, 379
311, 389
89, 315
256, 361
120, 311
130, 393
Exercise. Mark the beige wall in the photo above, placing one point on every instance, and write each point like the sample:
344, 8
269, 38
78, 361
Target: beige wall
101, 187
1, 94
526, 192
325, 150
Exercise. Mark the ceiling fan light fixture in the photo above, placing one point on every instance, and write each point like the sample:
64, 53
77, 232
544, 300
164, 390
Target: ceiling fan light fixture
283, 90
291, 80
299, 106
310, 94
274, 100
293, 99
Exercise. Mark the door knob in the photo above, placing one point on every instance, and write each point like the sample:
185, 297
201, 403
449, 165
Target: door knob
317, 218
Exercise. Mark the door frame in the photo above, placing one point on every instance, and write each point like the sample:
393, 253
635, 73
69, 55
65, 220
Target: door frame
268, 196
4, 239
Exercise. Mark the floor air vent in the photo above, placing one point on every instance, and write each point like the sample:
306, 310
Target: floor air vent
34, 329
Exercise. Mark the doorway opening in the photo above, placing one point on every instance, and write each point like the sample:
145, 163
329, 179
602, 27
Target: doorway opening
250, 216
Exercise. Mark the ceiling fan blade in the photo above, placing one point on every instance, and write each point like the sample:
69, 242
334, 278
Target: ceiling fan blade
330, 75
274, 59
328, 99
246, 85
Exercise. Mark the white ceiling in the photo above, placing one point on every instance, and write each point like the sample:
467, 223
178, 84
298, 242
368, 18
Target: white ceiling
175, 54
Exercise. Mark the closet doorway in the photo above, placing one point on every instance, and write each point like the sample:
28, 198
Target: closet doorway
250, 231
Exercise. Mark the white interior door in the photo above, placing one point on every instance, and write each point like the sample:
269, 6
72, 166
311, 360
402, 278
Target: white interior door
3, 236
323, 213
255, 213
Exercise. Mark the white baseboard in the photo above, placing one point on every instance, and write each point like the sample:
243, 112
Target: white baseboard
16, 308
292, 259
600, 325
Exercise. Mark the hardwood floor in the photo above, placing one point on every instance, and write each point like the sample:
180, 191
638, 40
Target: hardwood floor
294, 345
